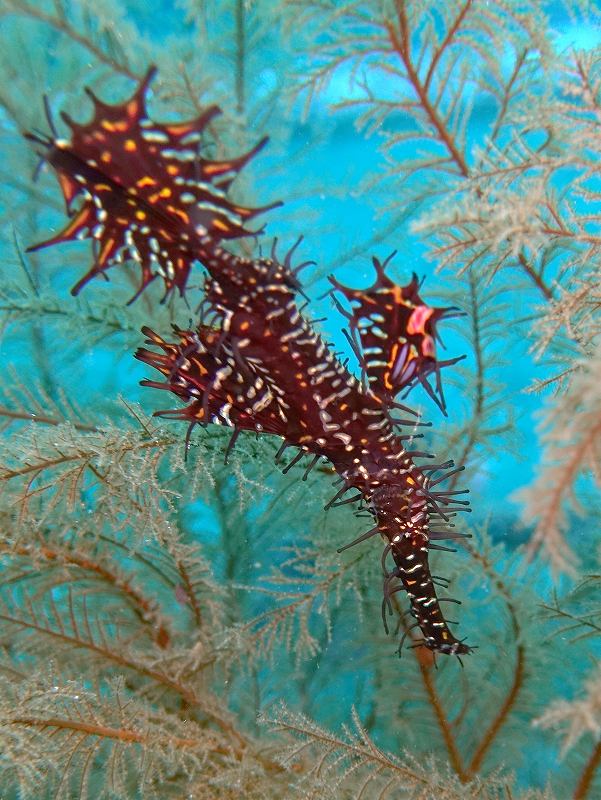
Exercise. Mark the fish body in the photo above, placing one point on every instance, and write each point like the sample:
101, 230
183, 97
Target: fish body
143, 192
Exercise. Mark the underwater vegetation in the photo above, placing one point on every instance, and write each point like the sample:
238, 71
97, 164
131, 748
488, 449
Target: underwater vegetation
173, 625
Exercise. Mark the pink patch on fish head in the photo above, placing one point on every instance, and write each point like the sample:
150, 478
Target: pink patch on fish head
418, 319
428, 347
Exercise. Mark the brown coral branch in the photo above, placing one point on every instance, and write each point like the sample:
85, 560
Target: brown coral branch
519, 63
444, 725
519, 670
106, 732
535, 277
425, 667
581, 792
495, 726
438, 53
493, 730
145, 608
40, 466
402, 46
511, 698
425, 662
120, 658
190, 593
565, 233
559, 481
44, 420
62, 25
360, 751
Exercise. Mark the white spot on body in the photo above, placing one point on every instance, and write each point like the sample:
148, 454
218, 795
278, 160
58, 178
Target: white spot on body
155, 136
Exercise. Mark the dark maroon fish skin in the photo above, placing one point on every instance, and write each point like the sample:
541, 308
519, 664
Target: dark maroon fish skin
278, 376
146, 192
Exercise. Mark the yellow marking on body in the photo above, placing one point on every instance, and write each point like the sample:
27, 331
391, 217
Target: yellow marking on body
105, 251
132, 108
146, 181
75, 223
130, 145
172, 169
99, 136
397, 293
165, 192
122, 220
66, 185
179, 130
395, 350
181, 214
140, 215
224, 166
410, 583
410, 481
102, 187
343, 406
114, 126
217, 223
106, 157
445, 635
244, 326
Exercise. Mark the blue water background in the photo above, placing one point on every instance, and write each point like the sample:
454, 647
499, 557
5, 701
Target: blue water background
336, 159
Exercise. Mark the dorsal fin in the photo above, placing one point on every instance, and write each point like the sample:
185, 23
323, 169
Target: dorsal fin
202, 370
147, 193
